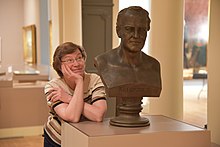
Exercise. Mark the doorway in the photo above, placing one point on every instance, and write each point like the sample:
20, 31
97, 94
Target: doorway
195, 61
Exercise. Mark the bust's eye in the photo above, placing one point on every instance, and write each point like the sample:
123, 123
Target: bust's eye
129, 29
142, 30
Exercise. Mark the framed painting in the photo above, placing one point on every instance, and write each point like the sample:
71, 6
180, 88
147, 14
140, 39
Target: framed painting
51, 50
29, 43
0, 49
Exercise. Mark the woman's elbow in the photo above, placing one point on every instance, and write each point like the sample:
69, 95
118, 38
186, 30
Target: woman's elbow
72, 119
98, 120
100, 117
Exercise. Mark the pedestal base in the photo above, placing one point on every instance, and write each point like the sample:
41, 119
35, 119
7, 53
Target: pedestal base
162, 132
128, 111
130, 122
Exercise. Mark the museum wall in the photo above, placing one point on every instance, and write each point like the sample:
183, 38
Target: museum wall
12, 21
16, 15
15, 100
115, 40
213, 71
166, 41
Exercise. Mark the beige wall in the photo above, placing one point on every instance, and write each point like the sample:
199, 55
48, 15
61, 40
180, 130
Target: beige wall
23, 106
72, 21
56, 18
31, 17
14, 15
213, 72
115, 39
166, 40
12, 21
31, 12
66, 17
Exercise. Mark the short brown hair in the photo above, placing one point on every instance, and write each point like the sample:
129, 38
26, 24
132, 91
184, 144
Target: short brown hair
136, 10
62, 50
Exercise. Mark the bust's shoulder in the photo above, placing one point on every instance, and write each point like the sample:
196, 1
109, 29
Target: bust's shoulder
150, 59
106, 58
108, 54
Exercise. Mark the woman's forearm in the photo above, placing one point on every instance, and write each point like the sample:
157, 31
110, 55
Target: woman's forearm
75, 107
96, 111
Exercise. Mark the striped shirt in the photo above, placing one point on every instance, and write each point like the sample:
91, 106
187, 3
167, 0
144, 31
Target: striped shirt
93, 90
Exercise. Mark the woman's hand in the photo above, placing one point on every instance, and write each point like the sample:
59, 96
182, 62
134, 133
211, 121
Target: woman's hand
58, 93
70, 76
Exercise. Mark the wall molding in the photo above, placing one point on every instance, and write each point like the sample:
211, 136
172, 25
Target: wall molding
21, 131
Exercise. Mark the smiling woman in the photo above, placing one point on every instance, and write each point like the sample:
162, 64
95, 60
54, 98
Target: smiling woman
75, 95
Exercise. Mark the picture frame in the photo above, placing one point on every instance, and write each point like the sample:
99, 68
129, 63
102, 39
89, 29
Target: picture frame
51, 39
0, 49
29, 44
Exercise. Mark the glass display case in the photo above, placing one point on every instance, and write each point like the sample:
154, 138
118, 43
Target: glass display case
13, 74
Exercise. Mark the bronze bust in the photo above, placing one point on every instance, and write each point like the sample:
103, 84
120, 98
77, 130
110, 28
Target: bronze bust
126, 71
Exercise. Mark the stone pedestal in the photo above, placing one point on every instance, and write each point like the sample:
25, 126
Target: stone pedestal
163, 131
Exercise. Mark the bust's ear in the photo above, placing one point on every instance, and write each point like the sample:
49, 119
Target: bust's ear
118, 31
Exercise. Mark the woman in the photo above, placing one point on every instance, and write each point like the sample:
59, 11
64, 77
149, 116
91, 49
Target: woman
75, 95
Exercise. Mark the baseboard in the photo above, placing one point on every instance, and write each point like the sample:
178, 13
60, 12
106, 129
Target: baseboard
21, 131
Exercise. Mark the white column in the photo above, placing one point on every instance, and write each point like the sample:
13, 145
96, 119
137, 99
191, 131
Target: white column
166, 44
66, 20
72, 21
213, 71
57, 21
44, 34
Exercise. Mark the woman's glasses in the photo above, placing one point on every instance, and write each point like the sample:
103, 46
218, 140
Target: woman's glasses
78, 60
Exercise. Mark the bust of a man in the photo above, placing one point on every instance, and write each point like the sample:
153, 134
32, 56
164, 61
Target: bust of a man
126, 71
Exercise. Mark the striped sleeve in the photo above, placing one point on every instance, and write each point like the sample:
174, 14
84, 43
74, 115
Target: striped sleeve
47, 88
98, 91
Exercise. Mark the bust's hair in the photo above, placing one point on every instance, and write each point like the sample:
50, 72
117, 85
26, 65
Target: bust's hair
62, 50
134, 10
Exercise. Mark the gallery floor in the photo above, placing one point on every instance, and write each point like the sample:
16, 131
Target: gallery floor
195, 112
195, 102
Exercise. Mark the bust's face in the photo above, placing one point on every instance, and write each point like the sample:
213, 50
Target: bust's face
133, 32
